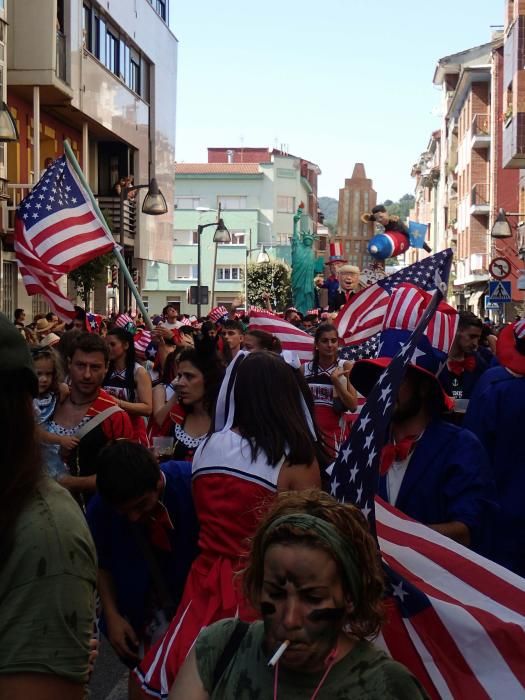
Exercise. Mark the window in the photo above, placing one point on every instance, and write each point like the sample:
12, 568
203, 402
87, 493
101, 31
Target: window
232, 202
87, 28
100, 39
238, 237
321, 245
161, 8
225, 274
182, 272
187, 202
115, 52
145, 301
185, 236
173, 301
134, 71
286, 205
112, 53
282, 239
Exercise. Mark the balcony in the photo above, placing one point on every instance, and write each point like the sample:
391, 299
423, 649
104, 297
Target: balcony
480, 199
39, 58
480, 131
110, 207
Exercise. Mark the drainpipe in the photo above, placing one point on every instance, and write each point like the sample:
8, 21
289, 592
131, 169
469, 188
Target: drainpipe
36, 134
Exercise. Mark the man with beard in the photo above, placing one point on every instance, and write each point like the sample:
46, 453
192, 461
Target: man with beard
88, 413
464, 365
435, 472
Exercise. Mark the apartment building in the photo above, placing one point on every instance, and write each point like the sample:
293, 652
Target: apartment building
259, 191
102, 75
355, 198
471, 167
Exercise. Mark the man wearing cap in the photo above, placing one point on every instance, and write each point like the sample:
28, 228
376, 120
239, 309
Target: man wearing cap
433, 471
496, 414
88, 413
348, 286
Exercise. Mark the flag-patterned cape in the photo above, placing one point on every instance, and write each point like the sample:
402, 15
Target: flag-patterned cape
56, 231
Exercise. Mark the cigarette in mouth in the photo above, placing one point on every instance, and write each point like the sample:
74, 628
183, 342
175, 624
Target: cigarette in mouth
280, 651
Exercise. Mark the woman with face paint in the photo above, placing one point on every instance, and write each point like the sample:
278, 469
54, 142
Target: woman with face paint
264, 442
315, 575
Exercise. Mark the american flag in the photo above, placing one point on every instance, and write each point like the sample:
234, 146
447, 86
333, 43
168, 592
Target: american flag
455, 619
291, 338
93, 322
56, 231
361, 319
218, 313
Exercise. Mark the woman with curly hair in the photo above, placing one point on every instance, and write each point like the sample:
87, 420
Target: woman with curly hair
315, 576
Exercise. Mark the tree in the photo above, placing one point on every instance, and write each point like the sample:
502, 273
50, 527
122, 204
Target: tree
272, 277
86, 276
402, 207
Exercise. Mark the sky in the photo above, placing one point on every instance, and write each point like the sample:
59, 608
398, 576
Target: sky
338, 81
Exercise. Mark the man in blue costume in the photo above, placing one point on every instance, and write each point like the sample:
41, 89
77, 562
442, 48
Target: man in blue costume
145, 532
496, 413
435, 472
465, 365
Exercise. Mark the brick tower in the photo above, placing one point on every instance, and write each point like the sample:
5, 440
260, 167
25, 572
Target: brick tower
355, 198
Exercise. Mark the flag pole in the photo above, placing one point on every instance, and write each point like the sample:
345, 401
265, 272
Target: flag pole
116, 251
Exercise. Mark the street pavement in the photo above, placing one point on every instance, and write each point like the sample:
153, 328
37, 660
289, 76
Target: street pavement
110, 677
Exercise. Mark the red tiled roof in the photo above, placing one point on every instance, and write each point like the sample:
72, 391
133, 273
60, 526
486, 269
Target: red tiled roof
219, 168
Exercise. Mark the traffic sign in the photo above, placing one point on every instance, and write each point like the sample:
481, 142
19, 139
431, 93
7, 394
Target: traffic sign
499, 268
500, 291
490, 305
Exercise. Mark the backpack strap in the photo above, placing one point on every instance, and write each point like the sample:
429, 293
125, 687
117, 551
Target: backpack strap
229, 651
96, 420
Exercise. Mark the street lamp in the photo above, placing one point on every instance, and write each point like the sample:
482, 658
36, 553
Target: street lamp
221, 235
154, 204
8, 129
501, 227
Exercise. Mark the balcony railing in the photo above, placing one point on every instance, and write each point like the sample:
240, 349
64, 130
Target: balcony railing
480, 130
480, 199
61, 57
110, 207
15, 194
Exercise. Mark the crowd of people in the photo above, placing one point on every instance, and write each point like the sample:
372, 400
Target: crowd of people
184, 484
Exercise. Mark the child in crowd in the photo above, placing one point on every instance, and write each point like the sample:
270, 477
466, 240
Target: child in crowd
50, 391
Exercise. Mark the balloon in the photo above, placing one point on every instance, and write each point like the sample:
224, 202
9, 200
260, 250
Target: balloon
388, 245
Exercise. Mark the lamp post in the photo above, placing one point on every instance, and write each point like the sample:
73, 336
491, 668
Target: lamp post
154, 204
221, 235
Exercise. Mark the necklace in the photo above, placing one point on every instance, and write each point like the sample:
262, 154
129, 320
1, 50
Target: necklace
80, 403
330, 661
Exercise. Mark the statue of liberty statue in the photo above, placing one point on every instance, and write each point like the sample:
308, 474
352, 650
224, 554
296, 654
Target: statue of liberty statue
303, 266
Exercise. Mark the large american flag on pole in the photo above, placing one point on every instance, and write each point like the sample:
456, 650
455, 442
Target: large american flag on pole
455, 619
361, 319
56, 231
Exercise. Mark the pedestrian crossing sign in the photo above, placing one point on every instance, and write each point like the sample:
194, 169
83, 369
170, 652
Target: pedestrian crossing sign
500, 291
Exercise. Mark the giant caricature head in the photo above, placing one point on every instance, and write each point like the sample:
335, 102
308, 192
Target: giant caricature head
349, 278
